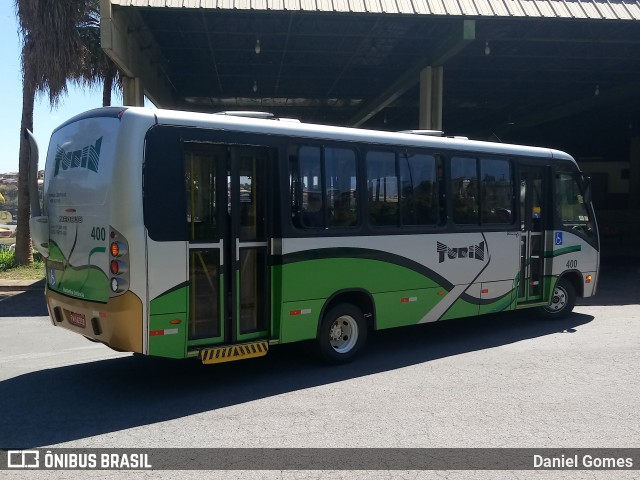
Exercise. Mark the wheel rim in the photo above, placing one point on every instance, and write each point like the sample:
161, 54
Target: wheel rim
343, 334
558, 300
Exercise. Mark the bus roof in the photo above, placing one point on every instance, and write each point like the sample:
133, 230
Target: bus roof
251, 124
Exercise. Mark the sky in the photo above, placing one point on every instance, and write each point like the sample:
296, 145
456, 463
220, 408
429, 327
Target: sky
45, 119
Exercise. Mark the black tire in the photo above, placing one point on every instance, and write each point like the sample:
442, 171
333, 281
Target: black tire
563, 299
342, 334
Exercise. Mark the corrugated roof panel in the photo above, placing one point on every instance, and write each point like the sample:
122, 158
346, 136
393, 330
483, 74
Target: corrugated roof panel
514, 8
405, 6
485, 7
593, 9
468, 7
633, 8
325, 5
590, 9
453, 8
621, 12
292, 5
389, 6
575, 9
605, 10
352, 5
308, 5
529, 8
421, 7
372, 6
559, 8
259, 4
500, 9
449, 7
544, 8
275, 4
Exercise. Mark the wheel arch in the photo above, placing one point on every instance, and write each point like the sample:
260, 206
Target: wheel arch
358, 297
575, 278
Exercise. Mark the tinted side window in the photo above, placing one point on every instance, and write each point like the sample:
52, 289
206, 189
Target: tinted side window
340, 187
164, 199
382, 188
497, 191
464, 190
419, 189
323, 187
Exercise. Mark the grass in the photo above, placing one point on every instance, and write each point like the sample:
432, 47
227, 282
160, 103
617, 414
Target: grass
10, 271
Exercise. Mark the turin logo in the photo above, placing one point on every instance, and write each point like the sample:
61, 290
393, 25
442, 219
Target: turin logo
87, 157
472, 251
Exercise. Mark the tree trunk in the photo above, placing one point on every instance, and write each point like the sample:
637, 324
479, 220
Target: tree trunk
106, 90
24, 248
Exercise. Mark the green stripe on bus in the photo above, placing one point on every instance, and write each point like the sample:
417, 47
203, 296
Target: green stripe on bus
562, 251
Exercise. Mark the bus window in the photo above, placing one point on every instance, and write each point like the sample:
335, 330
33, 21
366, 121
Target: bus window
306, 190
382, 188
200, 163
323, 187
419, 189
340, 187
571, 208
464, 190
497, 191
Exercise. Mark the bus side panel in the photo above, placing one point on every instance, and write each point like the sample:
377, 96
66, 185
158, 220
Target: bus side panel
306, 286
497, 296
168, 291
467, 305
568, 253
408, 307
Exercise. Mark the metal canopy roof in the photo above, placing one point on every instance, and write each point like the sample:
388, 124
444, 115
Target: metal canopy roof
533, 63
592, 9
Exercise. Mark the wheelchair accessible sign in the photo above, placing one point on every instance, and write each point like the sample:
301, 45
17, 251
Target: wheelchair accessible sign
558, 238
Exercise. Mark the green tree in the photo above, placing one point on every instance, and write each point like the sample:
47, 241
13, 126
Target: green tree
60, 42
97, 68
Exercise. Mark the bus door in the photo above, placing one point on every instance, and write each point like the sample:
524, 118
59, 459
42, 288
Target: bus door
533, 214
227, 213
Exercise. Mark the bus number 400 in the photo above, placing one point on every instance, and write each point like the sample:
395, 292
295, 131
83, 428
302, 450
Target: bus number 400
98, 233
572, 264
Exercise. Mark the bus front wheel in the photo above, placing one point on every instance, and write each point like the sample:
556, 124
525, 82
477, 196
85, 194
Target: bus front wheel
563, 299
342, 334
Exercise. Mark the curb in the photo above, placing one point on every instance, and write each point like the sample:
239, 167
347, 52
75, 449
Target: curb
21, 285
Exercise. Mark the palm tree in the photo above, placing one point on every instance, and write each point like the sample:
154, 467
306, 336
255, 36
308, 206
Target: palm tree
60, 42
97, 67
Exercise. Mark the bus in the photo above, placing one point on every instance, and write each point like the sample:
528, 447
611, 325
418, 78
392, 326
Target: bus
216, 236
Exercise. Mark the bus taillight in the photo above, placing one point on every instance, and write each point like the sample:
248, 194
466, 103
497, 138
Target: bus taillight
118, 249
118, 268
119, 263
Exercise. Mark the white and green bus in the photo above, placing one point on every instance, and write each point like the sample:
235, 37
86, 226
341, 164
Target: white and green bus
216, 236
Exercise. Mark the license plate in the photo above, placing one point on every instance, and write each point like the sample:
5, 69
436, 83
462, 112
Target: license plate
77, 319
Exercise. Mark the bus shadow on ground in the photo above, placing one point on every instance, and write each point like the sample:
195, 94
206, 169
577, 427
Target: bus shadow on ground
79, 401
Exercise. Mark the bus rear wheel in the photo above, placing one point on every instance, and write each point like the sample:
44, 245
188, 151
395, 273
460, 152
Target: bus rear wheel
342, 334
563, 299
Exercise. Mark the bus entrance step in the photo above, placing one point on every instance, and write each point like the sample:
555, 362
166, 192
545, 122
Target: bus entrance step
234, 352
